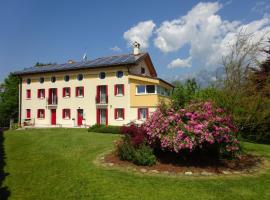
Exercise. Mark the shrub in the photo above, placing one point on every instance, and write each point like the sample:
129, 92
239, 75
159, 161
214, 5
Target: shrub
125, 151
192, 127
136, 134
144, 156
104, 129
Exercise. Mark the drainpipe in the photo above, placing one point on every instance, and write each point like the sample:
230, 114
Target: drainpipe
20, 102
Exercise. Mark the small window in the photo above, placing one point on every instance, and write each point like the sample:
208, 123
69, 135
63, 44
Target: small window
66, 92
119, 90
141, 89
41, 93
119, 113
66, 78
150, 89
102, 75
28, 94
53, 79
79, 92
41, 114
41, 80
119, 74
142, 113
28, 81
66, 114
80, 77
28, 113
142, 70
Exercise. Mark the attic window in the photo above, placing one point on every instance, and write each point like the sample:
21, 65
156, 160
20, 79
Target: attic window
53, 79
41, 79
102, 75
119, 74
142, 70
28, 81
66, 78
80, 77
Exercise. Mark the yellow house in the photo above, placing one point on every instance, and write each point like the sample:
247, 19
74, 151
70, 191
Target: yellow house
113, 90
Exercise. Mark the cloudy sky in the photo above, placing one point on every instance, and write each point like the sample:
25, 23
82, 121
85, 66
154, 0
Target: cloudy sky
182, 37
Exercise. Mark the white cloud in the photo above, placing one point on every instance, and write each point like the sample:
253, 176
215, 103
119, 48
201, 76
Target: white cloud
180, 63
207, 35
140, 33
116, 49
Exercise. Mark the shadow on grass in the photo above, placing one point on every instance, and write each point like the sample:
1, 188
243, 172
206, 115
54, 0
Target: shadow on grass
4, 191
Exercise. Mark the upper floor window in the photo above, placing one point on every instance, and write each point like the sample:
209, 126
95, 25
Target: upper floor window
66, 113
79, 77
119, 74
66, 92
41, 93
142, 70
163, 91
119, 90
119, 113
102, 75
28, 81
66, 78
146, 89
41, 113
53, 79
28, 94
79, 91
41, 80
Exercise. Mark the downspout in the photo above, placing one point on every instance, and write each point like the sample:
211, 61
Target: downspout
20, 102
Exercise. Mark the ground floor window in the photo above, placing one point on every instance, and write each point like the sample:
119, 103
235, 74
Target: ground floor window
66, 113
41, 113
142, 113
28, 113
119, 113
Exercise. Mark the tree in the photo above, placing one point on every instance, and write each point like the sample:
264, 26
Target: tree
9, 99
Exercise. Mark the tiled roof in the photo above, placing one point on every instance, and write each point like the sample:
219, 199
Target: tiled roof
116, 60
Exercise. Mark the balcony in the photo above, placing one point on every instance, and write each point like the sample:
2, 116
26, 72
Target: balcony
102, 99
52, 101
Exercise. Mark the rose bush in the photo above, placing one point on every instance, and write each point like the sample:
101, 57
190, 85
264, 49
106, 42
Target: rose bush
195, 126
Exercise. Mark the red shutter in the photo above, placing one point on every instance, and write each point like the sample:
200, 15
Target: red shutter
69, 91
28, 113
69, 113
63, 113
139, 116
49, 95
64, 94
123, 113
28, 94
44, 112
38, 114
97, 94
115, 113
44, 94
115, 90
107, 96
123, 89
106, 116
147, 113
83, 91
77, 91
98, 116
38, 93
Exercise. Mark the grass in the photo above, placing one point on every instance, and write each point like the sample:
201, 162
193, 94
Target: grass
58, 164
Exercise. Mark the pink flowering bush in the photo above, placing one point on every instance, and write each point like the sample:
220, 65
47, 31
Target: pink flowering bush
195, 126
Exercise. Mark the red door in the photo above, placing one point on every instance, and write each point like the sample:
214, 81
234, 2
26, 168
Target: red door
80, 117
53, 116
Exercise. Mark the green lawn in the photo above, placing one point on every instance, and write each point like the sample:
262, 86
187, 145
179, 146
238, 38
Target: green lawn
58, 164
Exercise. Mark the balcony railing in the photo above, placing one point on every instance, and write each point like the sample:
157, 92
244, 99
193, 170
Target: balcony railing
103, 99
52, 101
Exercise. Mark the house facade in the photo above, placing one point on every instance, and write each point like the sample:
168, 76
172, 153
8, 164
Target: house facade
114, 90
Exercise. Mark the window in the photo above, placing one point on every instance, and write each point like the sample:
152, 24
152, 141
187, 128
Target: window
163, 91
41, 113
142, 70
41, 80
142, 113
102, 75
79, 92
66, 113
66, 92
66, 78
28, 113
141, 89
150, 89
28, 81
53, 79
119, 113
41, 93
28, 94
80, 77
119, 74
119, 90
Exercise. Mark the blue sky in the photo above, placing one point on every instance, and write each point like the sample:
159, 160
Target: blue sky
182, 37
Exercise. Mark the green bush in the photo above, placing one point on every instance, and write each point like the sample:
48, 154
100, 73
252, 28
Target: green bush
104, 129
125, 151
144, 156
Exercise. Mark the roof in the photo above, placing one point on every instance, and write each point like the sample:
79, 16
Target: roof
108, 61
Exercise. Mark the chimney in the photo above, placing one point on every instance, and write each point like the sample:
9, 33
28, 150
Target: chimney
136, 48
